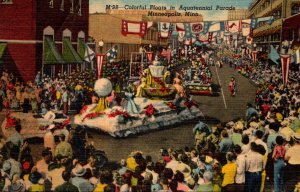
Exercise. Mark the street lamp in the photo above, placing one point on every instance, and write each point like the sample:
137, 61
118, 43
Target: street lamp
150, 46
101, 43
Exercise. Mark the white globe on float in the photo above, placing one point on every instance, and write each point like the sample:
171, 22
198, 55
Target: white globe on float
103, 87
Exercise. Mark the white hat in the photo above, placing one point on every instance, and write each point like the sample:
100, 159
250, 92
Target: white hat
52, 126
79, 170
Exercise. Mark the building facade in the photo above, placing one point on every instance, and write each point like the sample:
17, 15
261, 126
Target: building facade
238, 14
107, 27
46, 35
265, 34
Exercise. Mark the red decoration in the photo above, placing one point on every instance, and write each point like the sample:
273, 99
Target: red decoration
190, 104
11, 121
285, 65
84, 108
100, 59
135, 28
117, 112
171, 105
150, 110
93, 115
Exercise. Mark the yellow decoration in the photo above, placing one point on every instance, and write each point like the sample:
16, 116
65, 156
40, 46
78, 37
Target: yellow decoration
102, 105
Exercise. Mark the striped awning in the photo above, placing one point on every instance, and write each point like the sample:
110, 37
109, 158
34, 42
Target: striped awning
69, 53
51, 53
2, 49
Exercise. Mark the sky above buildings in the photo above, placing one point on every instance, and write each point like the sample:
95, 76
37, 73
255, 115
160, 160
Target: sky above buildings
100, 5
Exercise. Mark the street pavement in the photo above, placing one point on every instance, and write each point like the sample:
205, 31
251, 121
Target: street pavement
178, 136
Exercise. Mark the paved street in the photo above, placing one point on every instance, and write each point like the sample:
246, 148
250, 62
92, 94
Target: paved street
180, 136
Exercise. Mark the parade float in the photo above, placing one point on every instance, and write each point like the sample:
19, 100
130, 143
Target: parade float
199, 80
140, 114
33, 125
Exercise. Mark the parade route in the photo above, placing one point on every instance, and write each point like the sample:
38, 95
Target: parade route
220, 108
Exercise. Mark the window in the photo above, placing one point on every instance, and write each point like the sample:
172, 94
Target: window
72, 6
51, 3
6, 2
79, 7
62, 5
277, 14
295, 9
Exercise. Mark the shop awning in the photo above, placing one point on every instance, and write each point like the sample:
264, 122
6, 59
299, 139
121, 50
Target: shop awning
51, 53
69, 53
81, 48
2, 49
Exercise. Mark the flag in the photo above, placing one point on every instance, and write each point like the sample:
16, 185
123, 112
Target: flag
233, 26
215, 26
111, 54
285, 65
89, 54
188, 30
181, 35
133, 27
164, 29
205, 37
179, 27
149, 24
246, 29
255, 21
254, 56
274, 56
198, 27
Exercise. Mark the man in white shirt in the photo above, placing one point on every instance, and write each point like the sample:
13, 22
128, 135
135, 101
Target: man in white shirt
258, 140
254, 167
241, 165
65, 98
49, 141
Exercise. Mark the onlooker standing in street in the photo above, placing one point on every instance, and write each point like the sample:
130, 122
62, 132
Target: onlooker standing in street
65, 98
279, 164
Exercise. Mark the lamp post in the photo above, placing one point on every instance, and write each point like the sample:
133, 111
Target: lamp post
254, 46
150, 46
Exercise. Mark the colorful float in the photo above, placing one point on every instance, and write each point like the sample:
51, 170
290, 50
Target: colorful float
138, 115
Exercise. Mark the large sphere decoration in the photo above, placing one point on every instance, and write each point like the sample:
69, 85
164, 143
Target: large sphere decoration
103, 87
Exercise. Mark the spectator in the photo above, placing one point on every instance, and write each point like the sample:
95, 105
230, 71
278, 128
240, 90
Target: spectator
16, 138
79, 181
229, 172
67, 186
49, 141
279, 164
63, 148
240, 168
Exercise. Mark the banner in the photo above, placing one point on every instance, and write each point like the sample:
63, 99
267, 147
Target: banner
149, 56
164, 29
134, 28
233, 26
285, 66
215, 26
100, 59
255, 21
246, 27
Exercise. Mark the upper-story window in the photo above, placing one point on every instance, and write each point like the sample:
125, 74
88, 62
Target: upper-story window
6, 1
72, 6
62, 5
295, 9
51, 3
79, 8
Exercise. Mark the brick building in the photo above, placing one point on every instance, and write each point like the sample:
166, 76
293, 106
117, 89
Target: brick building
43, 34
